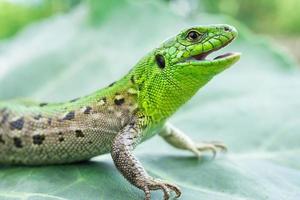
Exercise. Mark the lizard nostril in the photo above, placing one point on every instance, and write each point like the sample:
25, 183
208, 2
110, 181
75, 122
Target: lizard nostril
226, 29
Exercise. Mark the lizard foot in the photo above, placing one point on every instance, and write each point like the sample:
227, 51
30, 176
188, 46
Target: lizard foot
156, 184
209, 146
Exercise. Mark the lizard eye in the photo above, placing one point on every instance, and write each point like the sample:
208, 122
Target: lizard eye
160, 60
193, 36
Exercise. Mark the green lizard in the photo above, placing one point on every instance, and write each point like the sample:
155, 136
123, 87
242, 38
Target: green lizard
119, 117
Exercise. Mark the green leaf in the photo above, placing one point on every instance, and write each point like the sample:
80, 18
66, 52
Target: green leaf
253, 107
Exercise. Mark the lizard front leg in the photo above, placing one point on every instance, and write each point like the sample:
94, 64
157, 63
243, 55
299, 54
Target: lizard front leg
131, 168
181, 141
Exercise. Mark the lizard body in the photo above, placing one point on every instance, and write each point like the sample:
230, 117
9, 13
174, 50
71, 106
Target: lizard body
119, 117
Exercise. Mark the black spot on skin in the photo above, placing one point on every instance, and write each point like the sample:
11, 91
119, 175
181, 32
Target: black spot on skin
87, 110
17, 124
43, 104
132, 79
111, 84
18, 142
90, 142
79, 133
119, 102
38, 139
60, 133
73, 100
142, 117
69, 116
61, 139
37, 117
1, 140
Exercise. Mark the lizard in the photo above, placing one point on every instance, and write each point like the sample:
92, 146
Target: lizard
117, 118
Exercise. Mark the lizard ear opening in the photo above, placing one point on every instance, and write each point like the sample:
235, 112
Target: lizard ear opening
160, 60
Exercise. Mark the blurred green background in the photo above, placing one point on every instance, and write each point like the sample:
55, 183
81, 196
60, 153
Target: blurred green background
274, 17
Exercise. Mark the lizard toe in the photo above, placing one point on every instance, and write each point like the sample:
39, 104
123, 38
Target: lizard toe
214, 147
157, 184
174, 188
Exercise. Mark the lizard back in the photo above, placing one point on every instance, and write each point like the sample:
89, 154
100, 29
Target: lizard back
41, 133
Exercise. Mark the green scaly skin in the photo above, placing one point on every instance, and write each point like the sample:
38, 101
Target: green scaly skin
119, 117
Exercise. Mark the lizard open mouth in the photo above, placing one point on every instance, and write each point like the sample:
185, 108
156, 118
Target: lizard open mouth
203, 56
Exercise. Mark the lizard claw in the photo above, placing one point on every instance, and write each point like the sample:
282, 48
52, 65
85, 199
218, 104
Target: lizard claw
156, 184
175, 189
211, 146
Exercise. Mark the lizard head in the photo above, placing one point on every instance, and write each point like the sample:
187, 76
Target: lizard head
171, 74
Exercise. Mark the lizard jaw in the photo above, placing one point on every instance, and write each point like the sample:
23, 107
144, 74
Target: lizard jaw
203, 55
200, 59
222, 61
